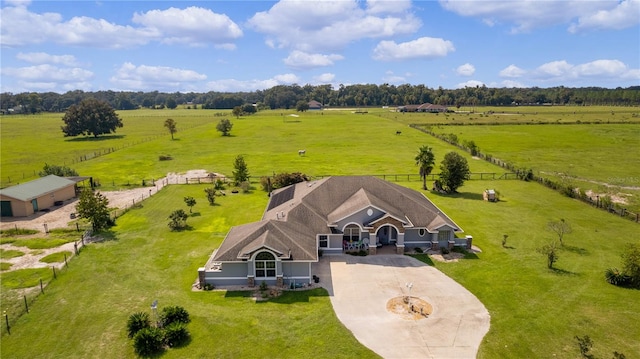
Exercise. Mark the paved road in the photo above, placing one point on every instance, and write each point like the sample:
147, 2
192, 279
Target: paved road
360, 288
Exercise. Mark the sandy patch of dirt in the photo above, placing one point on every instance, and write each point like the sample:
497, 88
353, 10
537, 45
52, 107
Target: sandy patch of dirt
410, 308
619, 198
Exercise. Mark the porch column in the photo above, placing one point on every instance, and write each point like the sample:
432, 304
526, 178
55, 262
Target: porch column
399, 248
251, 281
201, 272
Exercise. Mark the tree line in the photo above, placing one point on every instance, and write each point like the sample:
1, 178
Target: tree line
362, 95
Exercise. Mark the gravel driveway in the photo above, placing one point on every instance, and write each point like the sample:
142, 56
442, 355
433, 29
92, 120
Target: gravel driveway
360, 288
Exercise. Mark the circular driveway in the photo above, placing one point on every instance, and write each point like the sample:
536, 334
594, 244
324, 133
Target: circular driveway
360, 287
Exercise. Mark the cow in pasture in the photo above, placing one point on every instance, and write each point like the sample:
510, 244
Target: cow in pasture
398, 132
302, 152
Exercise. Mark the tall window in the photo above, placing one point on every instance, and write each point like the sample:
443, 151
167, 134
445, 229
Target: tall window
444, 235
323, 241
265, 264
352, 233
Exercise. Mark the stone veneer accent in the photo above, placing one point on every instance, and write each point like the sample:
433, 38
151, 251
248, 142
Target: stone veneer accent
280, 281
386, 221
201, 272
251, 281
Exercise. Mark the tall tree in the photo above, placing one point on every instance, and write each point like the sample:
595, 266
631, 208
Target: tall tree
454, 170
171, 103
425, 160
224, 126
61, 171
94, 208
237, 111
90, 117
240, 173
170, 124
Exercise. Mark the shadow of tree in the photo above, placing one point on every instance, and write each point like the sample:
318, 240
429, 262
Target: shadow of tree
576, 250
565, 272
424, 258
95, 139
463, 195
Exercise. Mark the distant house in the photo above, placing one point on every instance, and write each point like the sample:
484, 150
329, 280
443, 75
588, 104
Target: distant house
332, 215
315, 105
425, 107
30, 197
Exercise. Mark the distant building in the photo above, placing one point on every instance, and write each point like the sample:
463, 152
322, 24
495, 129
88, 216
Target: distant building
315, 105
28, 198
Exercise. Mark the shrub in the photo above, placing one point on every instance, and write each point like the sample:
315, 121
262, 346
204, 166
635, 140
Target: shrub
148, 342
444, 250
174, 314
418, 250
178, 220
615, 277
631, 264
211, 195
176, 334
245, 186
137, 322
165, 158
263, 286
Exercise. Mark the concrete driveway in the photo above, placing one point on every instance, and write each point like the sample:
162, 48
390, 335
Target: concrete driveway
360, 288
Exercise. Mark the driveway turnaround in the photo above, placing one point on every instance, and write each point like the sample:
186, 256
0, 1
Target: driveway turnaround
360, 287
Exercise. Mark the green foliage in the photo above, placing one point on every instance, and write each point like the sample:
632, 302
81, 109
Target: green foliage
224, 126
616, 277
454, 170
17, 232
240, 172
211, 195
190, 202
560, 228
263, 286
551, 252
585, 344
245, 186
472, 147
425, 159
171, 125
218, 185
148, 342
90, 117
631, 263
137, 321
236, 111
174, 314
61, 171
94, 208
176, 335
171, 103
178, 220
302, 106
249, 109
282, 180
25, 278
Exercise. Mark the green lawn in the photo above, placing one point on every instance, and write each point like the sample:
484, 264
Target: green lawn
57, 257
535, 312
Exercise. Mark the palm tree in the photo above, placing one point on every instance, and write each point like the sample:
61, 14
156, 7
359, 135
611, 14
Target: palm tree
426, 160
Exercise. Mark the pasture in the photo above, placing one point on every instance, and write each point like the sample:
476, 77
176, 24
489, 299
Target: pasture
143, 260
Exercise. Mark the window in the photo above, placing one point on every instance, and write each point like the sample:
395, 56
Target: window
351, 233
444, 235
421, 232
323, 241
265, 264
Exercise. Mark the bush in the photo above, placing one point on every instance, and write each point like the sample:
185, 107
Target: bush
615, 277
174, 314
418, 250
137, 322
444, 250
211, 195
245, 186
165, 157
176, 335
148, 342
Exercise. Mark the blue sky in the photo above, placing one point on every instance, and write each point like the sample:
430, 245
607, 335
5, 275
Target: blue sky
203, 46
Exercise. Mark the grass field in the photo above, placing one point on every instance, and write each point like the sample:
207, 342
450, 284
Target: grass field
535, 312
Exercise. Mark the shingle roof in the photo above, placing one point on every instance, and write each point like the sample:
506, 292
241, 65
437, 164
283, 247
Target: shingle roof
36, 188
296, 214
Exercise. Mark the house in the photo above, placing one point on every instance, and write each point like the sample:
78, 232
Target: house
331, 215
425, 107
40, 194
315, 105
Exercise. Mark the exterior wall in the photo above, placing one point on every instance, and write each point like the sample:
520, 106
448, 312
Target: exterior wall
296, 272
412, 238
19, 208
25, 208
335, 241
229, 274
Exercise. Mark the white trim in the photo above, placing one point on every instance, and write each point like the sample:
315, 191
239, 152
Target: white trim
360, 210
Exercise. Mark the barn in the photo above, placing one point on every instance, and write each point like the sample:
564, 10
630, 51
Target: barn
43, 193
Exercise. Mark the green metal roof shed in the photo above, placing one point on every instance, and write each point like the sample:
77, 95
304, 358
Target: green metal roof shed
27, 198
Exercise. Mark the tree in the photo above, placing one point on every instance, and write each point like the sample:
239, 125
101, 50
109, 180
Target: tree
237, 111
211, 195
90, 117
190, 201
240, 173
94, 208
302, 106
551, 252
171, 103
61, 171
425, 160
454, 170
631, 263
178, 220
170, 124
249, 109
224, 126
561, 228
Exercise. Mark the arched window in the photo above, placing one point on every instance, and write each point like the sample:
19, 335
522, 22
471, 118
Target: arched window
351, 233
265, 264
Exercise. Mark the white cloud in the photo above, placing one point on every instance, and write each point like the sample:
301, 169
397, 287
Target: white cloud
43, 58
302, 60
193, 26
424, 47
232, 85
527, 15
470, 83
624, 15
47, 77
511, 83
466, 70
383, 6
512, 71
610, 70
143, 77
329, 25
391, 78
324, 78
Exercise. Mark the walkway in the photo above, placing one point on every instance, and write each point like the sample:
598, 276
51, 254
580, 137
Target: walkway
360, 288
